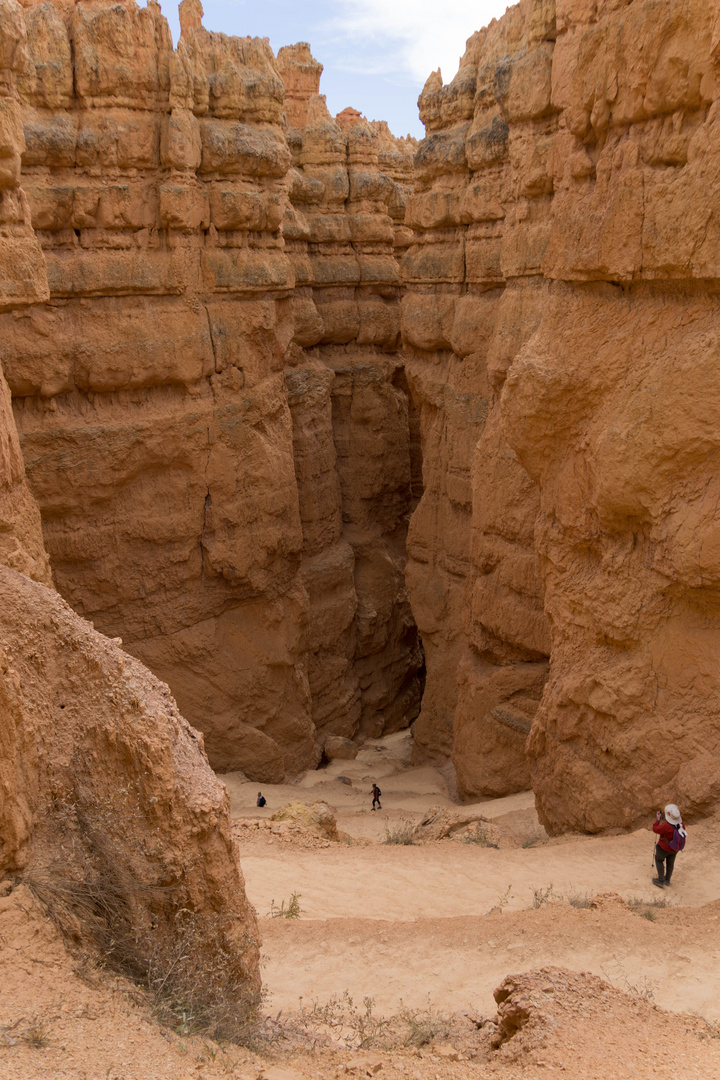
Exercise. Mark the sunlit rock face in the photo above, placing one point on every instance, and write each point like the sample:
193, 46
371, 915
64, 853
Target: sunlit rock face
227, 499
101, 778
611, 409
565, 197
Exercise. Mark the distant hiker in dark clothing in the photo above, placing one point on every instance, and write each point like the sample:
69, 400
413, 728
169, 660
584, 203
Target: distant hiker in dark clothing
671, 839
261, 800
376, 793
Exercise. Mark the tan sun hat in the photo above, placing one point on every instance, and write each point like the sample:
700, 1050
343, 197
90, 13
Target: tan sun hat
672, 814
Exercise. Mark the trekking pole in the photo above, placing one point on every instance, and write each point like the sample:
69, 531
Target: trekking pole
652, 857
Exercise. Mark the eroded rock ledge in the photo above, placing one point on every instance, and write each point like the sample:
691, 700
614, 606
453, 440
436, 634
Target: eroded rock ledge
109, 812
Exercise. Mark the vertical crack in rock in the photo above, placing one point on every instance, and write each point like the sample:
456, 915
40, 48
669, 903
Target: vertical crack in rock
343, 231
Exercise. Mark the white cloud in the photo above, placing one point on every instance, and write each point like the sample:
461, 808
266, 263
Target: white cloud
409, 38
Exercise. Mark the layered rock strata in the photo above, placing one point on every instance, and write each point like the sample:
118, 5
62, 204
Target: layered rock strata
103, 784
479, 212
565, 216
174, 464
213, 402
22, 281
612, 409
350, 408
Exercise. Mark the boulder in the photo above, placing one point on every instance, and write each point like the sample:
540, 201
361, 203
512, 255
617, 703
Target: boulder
318, 817
336, 747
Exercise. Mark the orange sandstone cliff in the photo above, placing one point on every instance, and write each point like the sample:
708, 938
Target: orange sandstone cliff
272, 335
175, 463
479, 213
105, 790
562, 313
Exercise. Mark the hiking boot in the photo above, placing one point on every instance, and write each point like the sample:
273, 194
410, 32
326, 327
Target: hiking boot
659, 882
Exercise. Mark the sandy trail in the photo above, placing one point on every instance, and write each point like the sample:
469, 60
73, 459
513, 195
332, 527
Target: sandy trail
408, 925
455, 964
450, 879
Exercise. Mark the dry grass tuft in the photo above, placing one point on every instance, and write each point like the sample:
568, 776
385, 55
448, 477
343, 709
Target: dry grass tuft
109, 906
642, 907
342, 1024
35, 1034
401, 833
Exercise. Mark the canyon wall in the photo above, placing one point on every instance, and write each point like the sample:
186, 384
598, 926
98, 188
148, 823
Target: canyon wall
271, 334
562, 298
191, 406
480, 214
354, 448
103, 784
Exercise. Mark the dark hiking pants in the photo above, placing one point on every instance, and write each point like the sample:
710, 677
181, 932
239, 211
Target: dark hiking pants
665, 861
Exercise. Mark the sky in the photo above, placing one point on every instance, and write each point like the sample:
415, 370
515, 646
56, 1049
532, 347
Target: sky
377, 54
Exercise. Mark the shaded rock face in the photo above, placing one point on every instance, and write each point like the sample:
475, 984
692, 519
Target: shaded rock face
354, 438
100, 776
218, 514
474, 294
565, 192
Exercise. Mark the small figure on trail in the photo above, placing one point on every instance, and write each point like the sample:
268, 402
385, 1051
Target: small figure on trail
671, 839
376, 793
261, 800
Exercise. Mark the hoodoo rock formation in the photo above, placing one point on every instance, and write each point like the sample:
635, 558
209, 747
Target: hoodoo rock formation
271, 335
241, 529
562, 313
103, 784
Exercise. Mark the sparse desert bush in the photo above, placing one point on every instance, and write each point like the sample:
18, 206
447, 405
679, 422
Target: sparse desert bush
340, 1022
289, 910
400, 833
502, 901
112, 911
479, 835
544, 896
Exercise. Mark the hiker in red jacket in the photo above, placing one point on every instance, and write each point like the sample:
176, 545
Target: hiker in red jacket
671, 839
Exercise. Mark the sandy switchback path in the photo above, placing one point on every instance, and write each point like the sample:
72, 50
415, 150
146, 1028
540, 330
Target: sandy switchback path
412, 924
